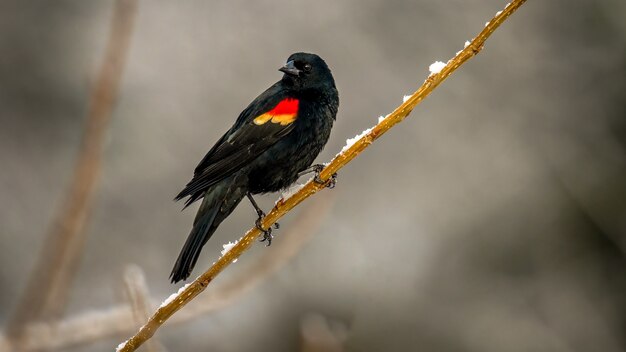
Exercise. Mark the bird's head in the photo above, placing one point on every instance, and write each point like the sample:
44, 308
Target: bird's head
307, 71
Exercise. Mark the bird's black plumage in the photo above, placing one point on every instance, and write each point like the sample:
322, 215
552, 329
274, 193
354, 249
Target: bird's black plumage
275, 138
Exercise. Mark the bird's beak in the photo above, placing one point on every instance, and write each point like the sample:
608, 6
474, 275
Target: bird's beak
290, 69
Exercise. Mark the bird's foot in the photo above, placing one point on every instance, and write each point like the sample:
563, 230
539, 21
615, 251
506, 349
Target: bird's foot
330, 183
317, 168
267, 233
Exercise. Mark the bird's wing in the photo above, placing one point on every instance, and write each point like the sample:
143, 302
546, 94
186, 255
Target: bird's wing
264, 122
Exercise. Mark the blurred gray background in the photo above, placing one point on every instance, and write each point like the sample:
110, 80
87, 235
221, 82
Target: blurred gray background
492, 219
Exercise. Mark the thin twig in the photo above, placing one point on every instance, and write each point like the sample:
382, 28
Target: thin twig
50, 281
139, 297
118, 320
285, 205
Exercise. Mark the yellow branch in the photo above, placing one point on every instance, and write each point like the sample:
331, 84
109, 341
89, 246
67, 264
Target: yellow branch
285, 205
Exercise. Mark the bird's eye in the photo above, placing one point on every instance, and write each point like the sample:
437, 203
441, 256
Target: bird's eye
307, 68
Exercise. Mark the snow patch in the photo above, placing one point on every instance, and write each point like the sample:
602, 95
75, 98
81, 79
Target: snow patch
498, 13
405, 98
467, 43
121, 346
381, 118
287, 193
350, 141
436, 67
227, 247
173, 296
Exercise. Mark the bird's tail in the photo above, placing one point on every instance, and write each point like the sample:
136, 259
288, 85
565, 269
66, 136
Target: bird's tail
219, 201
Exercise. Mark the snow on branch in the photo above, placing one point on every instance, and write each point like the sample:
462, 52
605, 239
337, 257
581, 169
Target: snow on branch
352, 150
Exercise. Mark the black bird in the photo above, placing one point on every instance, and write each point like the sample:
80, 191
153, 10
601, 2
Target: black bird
273, 142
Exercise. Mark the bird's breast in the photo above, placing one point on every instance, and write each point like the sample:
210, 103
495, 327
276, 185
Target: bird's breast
278, 166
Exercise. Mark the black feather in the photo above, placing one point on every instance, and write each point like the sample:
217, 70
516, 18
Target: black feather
218, 203
260, 158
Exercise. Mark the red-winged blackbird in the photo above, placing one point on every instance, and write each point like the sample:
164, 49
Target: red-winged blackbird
274, 141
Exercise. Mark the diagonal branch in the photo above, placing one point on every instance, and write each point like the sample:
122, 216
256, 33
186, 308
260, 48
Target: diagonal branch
139, 298
86, 327
344, 157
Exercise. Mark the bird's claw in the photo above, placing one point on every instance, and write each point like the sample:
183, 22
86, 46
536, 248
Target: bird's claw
318, 168
267, 236
267, 233
330, 183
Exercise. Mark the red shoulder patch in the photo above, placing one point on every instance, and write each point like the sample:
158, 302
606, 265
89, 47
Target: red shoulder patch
284, 113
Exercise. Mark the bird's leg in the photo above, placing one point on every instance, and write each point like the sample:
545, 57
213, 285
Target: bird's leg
317, 168
267, 234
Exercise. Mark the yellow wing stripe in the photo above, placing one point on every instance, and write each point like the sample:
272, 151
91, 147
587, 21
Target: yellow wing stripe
284, 113
282, 119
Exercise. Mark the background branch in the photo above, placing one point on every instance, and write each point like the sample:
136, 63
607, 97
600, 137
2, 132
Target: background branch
285, 205
91, 326
47, 289
139, 297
